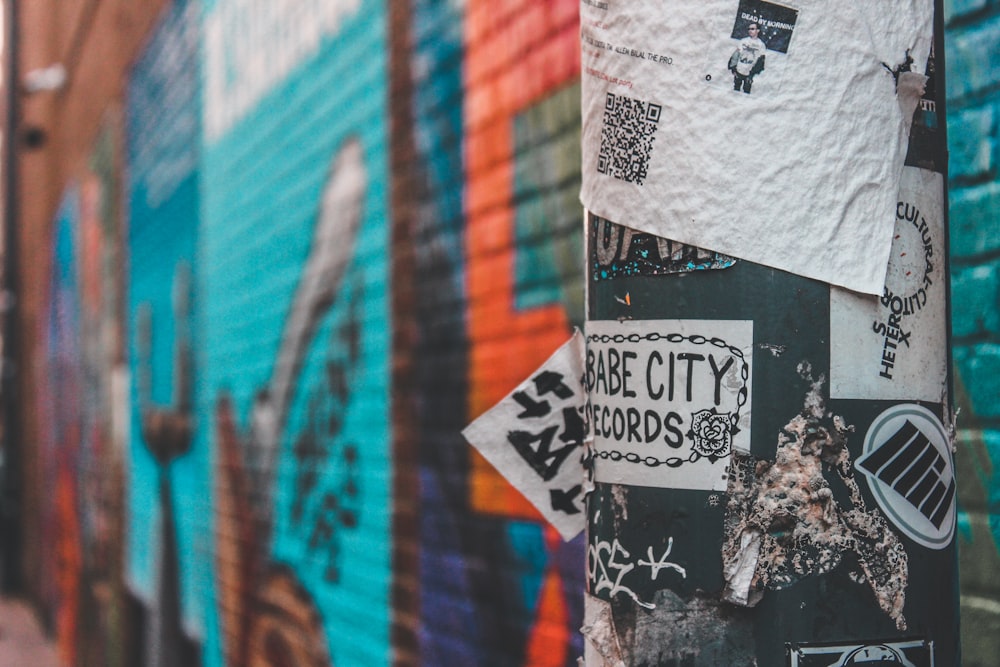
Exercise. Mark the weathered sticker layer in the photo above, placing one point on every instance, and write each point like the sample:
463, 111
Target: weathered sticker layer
784, 524
670, 400
618, 251
675, 631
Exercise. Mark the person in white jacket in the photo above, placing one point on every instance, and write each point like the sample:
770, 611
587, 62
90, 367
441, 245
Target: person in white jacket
748, 59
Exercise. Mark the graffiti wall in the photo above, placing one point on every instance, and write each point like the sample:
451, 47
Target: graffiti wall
81, 448
973, 105
167, 545
319, 239
495, 139
60, 447
522, 290
102, 439
296, 327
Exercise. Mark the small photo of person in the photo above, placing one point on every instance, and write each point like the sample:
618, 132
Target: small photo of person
759, 26
747, 60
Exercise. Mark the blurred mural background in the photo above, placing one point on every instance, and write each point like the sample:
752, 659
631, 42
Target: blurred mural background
268, 257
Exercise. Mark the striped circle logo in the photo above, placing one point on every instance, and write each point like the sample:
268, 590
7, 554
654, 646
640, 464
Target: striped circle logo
909, 468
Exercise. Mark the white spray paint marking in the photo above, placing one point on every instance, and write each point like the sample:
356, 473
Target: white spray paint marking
599, 569
610, 559
656, 565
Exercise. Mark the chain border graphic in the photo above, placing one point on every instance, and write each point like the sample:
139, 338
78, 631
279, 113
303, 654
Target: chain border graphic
697, 339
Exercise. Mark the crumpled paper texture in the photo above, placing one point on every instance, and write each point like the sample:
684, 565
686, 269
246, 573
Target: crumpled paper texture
801, 173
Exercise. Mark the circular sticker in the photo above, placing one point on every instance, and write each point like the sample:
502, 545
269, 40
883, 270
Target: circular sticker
908, 465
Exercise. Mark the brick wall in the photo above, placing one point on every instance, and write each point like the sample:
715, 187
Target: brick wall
71, 121
342, 248
973, 71
69, 199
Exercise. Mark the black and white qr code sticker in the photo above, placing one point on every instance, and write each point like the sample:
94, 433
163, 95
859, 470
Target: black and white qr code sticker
627, 137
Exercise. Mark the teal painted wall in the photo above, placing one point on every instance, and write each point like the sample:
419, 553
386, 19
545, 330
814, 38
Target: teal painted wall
294, 288
973, 87
167, 509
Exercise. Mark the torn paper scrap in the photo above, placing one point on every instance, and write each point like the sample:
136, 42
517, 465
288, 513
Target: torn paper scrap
603, 647
534, 437
617, 251
740, 571
768, 131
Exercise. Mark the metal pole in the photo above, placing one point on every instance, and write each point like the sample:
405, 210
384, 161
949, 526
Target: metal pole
819, 532
10, 451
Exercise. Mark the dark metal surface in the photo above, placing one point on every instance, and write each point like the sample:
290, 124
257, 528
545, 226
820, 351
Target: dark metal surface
828, 617
10, 412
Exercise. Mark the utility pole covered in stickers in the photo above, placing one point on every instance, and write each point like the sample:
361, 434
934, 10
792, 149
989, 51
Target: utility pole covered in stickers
770, 410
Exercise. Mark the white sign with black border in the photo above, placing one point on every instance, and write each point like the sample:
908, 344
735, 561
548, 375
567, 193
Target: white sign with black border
669, 400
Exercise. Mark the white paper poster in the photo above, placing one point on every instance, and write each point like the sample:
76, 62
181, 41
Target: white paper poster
534, 437
670, 400
770, 131
894, 346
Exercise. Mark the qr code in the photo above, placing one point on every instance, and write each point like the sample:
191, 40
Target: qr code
627, 137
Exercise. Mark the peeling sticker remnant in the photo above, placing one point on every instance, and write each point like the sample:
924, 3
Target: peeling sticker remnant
783, 523
617, 251
774, 349
603, 649
699, 632
740, 571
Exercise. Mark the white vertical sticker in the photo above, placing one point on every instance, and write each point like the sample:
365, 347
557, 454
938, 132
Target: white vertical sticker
894, 346
670, 400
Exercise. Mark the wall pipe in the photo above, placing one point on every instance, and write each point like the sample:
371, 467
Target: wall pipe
11, 472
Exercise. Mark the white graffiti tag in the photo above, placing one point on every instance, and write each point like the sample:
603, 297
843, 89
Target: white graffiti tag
609, 562
656, 565
599, 568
